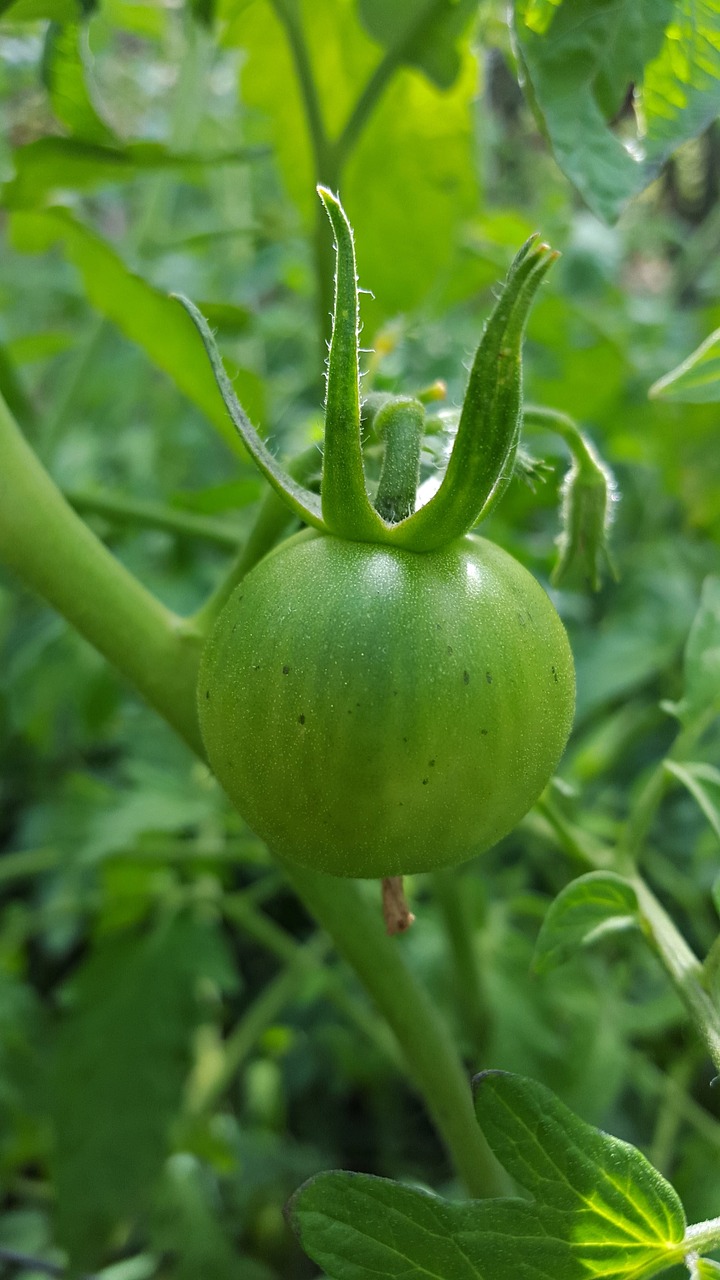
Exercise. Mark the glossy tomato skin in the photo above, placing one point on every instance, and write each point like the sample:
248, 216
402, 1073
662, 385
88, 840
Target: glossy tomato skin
373, 711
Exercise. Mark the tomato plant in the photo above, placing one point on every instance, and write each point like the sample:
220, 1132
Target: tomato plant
387, 694
194, 1021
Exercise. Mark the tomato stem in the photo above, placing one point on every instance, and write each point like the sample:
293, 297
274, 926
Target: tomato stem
400, 424
396, 913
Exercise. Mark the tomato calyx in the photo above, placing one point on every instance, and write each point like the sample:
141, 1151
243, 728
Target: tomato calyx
483, 454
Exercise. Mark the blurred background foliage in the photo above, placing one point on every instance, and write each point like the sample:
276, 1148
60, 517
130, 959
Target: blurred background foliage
179, 1048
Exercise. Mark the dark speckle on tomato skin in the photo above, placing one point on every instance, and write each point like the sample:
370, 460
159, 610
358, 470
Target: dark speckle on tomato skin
301, 719
207, 693
466, 677
285, 670
425, 781
488, 676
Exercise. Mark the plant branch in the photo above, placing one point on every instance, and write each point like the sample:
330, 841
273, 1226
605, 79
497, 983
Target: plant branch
640, 821
242, 911
325, 163
206, 1090
680, 962
152, 515
380, 78
289, 17
55, 554
682, 965
580, 848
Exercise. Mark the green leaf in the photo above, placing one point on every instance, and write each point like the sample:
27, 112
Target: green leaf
694, 778
590, 907
681, 87
148, 21
427, 131
600, 1207
40, 10
65, 77
20, 1071
360, 1228
582, 59
704, 1269
117, 1072
49, 167
140, 311
269, 89
429, 134
702, 656
421, 33
696, 380
620, 1215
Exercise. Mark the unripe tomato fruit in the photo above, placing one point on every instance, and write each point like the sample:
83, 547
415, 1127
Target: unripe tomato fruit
373, 711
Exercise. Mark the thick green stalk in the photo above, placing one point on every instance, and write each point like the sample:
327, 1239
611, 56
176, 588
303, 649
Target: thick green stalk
469, 992
682, 965
56, 555
359, 935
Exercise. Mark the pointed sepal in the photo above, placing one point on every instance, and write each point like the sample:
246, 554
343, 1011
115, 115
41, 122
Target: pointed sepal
346, 506
483, 454
303, 502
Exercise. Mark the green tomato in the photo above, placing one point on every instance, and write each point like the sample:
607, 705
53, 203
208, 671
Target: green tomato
373, 711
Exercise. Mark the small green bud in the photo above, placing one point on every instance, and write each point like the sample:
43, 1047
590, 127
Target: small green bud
589, 492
